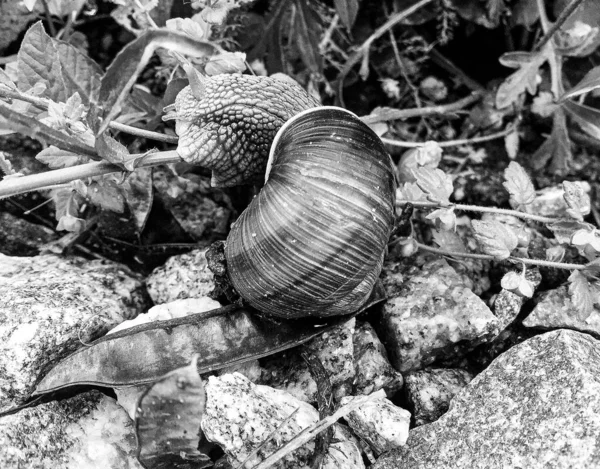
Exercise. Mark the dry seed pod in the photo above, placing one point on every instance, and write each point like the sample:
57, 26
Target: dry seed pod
312, 241
227, 122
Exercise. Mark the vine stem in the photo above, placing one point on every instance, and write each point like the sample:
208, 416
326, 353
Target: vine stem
551, 30
449, 143
16, 185
514, 260
477, 208
43, 103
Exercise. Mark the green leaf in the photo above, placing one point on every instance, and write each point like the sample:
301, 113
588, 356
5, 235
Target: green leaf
449, 241
589, 82
577, 199
518, 184
435, 183
226, 62
347, 11
106, 194
583, 296
443, 218
524, 79
495, 238
5, 165
139, 194
58, 65
167, 421
307, 31
556, 148
5, 80
111, 150
565, 229
517, 284
588, 118
56, 158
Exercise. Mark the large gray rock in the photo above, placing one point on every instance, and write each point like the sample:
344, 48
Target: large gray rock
433, 315
50, 307
535, 406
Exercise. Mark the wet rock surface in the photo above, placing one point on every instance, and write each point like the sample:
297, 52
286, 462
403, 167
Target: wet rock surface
535, 406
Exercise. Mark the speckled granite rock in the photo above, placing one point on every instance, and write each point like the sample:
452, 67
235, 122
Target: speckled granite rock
380, 423
50, 305
555, 311
430, 391
240, 416
535, 406
87, 431
335, 349
183, 276
433, 315
19, 237
373, 370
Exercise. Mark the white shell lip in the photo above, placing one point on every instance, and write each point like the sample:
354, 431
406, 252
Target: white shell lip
290, 122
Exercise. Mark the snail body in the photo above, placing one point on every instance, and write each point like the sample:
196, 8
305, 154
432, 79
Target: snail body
312, 242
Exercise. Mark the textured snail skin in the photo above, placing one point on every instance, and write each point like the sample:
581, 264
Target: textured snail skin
312, 241
230, 127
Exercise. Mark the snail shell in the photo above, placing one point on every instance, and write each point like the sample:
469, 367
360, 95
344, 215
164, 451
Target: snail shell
312, 242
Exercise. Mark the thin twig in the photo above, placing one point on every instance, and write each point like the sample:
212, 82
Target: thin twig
564, 16
449, 143
401, 114
364, 47
477, 208
514, 260
310, 432
49, 19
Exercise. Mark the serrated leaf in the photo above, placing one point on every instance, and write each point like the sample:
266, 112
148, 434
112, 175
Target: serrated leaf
106, 194
449, 241
565, 229
495, 238
58, 65
517, 283
111, 150
518, 184
588, 118
56, 158
410, 192
524, 79
589, 82
167, 421
443, 218
577, 199
582, 295
435, 183
347, 11
556, 148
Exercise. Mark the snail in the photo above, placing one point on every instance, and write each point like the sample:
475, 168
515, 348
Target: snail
312, 242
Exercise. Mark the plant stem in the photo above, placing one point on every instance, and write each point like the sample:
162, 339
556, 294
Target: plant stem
477, 208
42, 103
564, 16
514, 260
449, 143
18, 185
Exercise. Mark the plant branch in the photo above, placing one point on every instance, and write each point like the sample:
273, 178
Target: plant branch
477, 208
564, 16
43, 103
449, 143
514, 260
20, 184
388, 114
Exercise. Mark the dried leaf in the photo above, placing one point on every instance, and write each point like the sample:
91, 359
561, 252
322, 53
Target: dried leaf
577, 199
524, 79
589, 82
226, 336
518, 184
582, 294
587, 117
495, 238
56, 158
167, 421
435, 183
347, 10
556, 148
449, 241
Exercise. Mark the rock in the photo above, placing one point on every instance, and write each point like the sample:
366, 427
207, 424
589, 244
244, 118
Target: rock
555, 310
380, 423
372, 368
240, 416
535, 406
50, 307
430, 391
19, 237
87, 431
183, 276
433, 315
335, 349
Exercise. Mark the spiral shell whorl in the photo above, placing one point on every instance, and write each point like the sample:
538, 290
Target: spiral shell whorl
312, 242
